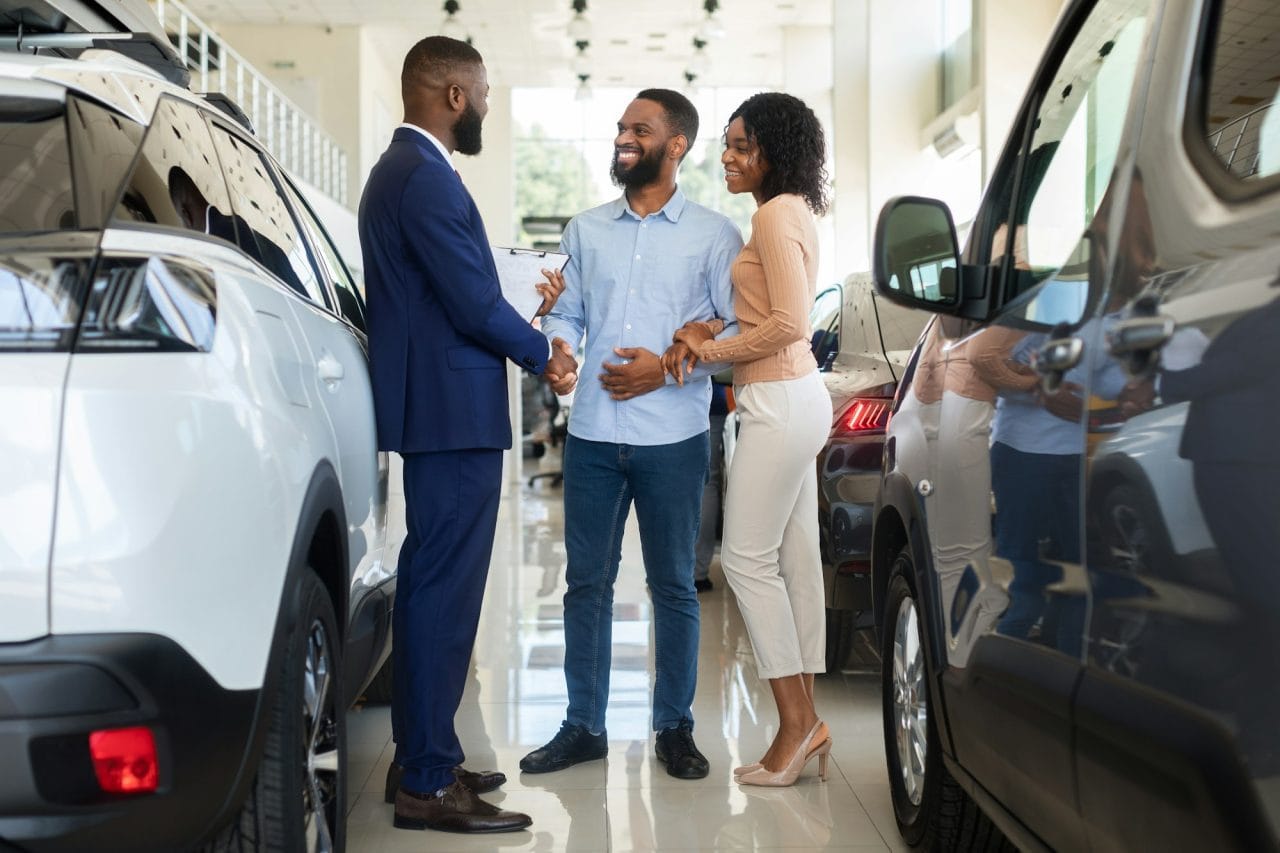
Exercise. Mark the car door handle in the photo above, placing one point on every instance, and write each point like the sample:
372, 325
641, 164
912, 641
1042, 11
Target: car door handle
1140, 334
1059, 355
329, 369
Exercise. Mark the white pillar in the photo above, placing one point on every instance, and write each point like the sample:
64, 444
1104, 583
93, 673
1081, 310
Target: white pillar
807, 61
850, 137
1012, 36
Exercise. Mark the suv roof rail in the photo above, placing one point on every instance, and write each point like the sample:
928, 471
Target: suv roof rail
224, 102
67, 27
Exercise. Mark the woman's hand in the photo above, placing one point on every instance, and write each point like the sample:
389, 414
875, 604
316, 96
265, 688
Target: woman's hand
696, 333
550, 291
678, 360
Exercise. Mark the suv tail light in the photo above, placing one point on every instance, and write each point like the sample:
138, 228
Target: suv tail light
124, 760
867, 416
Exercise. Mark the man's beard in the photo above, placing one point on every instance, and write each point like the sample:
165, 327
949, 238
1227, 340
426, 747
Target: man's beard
466, 131
645, 171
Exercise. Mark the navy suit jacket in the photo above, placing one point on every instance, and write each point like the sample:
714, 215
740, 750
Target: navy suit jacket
1234, 393
439, 328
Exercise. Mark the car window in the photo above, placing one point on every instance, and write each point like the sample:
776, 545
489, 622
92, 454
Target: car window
1075, 138
35, 168
824, 325
267, 231
176, 182
1241, 119
103, 145
350, 301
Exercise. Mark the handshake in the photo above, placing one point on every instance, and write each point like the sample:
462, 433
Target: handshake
642, 371
562, 367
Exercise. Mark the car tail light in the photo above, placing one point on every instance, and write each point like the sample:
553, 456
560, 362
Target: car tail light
125, 760
865, 417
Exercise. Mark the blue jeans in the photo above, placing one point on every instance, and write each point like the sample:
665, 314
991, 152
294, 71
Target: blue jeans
600, 482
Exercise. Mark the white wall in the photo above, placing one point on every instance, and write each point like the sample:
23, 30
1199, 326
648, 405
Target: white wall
886, 94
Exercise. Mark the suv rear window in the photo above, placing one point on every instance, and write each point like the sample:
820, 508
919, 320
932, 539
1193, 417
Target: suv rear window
36, 192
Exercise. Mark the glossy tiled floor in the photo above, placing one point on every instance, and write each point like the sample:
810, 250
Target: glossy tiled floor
516, 700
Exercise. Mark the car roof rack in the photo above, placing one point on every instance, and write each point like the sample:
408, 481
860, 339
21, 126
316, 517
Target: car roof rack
67, 27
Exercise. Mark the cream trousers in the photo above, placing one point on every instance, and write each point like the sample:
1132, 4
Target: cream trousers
770, 551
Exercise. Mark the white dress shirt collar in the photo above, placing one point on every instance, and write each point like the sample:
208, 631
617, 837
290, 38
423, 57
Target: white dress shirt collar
444, 152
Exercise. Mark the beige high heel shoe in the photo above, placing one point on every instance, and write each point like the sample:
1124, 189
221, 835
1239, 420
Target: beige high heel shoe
747, 768
787, 775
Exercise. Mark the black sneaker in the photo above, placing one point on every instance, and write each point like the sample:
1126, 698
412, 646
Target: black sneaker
703, 585
677, 750
572, 745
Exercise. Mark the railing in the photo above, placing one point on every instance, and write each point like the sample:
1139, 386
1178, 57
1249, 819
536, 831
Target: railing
1242, 135
291, 136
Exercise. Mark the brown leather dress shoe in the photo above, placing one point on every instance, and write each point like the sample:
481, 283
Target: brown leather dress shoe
456, 809
479, 781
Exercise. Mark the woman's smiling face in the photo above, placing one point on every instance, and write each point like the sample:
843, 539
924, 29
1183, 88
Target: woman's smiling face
744, 163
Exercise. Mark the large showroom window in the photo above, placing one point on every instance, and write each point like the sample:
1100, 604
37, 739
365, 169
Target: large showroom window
564, 148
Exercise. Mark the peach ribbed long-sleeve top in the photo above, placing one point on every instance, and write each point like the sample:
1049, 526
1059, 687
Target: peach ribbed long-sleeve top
774, 283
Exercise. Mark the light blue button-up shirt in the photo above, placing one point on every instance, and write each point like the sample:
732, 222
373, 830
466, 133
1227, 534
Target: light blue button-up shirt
631, 282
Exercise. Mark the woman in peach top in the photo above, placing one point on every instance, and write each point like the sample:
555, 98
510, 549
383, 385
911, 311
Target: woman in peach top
774, 149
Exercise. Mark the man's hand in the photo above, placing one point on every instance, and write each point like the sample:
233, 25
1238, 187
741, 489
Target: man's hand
1138, 396
562, 367
1065, 403
643, 374
678, 360
550, 292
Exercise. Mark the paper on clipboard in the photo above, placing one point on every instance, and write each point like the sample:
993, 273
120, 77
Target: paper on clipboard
520, 273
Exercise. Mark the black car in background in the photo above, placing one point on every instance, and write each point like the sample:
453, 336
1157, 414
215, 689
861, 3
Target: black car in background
1079, 634
861, 342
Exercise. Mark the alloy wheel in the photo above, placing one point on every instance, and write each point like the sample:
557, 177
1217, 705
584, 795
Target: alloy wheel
910, 708
320, 729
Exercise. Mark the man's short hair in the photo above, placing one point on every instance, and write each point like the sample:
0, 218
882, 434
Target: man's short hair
682, 116
433, 60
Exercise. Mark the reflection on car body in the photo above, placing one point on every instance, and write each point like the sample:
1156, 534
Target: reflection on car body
1074, 547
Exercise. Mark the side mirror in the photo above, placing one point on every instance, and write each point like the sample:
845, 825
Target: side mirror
916, 256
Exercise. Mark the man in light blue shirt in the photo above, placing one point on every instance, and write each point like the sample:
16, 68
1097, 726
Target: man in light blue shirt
641, 267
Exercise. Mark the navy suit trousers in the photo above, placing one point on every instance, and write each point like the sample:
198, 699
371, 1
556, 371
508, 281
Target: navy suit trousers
451, 509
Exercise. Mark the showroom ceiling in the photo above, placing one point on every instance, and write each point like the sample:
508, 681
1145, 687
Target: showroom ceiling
633, 42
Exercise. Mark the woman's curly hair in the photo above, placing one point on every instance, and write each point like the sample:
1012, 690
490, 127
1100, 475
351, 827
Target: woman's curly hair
790, 137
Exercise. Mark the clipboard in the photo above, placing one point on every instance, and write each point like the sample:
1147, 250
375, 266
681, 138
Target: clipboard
520, 272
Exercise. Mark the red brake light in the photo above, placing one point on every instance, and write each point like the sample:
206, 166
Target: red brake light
865, 416
125, 760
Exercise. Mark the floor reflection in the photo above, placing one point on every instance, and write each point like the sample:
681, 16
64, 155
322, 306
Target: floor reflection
516, 699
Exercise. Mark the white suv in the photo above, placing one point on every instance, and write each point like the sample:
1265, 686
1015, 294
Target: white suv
196, 574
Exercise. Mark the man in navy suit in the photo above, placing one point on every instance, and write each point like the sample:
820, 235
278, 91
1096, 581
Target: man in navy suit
439, 336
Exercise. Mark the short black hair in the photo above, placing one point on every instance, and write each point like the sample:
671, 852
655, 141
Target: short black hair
681, 114
793, 144
431, 61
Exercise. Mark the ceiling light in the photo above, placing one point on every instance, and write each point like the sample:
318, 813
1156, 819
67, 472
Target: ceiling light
711, 27
689, 78
699, 64
452, 27
579, 26
584, 91
581, 62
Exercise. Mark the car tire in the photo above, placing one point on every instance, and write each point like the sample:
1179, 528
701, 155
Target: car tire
932, 810
298, 800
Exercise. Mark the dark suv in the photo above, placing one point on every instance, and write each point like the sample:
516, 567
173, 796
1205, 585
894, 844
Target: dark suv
1078, 625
